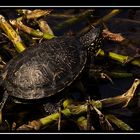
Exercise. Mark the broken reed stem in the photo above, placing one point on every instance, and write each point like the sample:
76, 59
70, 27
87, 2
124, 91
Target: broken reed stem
117, 37
37, 14
71, 109
61, 15
74, 20
54, 117
118, 57
45, 28
123, 99
107, 17
26, 11
18, 24
102, 20
119, 123
23, 11
12, 35
82, 123
34, 14
120, 74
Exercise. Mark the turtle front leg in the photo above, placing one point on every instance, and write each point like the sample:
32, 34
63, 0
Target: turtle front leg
4, 99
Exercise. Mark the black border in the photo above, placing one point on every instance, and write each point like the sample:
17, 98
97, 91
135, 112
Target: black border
70, 2
71, 136
33, 4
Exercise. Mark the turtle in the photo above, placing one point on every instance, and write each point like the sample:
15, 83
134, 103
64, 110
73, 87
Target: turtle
47, 68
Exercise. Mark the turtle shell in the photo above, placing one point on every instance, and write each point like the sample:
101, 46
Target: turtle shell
45, 69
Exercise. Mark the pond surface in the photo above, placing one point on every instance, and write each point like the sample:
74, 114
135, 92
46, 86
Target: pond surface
66, 22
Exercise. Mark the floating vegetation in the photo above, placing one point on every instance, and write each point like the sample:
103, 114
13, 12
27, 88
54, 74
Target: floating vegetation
69, 70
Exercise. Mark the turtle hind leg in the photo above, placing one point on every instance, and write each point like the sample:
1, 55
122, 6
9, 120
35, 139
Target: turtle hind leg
4, 99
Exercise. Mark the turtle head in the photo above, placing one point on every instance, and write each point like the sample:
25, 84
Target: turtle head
91, 40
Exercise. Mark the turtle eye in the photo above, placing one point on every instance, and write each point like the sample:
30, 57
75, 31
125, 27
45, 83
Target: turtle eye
92, 44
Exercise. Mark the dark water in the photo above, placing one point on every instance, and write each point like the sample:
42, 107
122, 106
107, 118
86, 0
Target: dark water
22, 113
